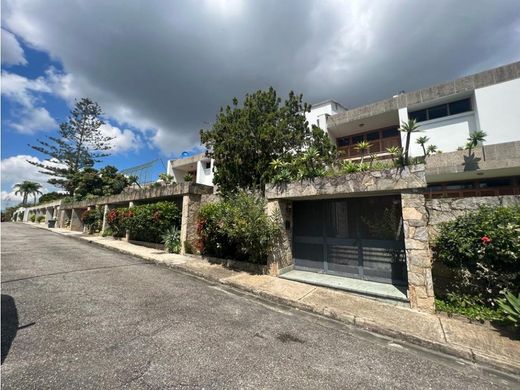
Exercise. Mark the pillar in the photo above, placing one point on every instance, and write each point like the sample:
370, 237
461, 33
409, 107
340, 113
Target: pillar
75, 220
418, 254
281, 258
190, 209
104, 225
127, 236
49, 213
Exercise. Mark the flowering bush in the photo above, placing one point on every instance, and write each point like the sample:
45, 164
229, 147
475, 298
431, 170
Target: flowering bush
236, 228
144, 222
483, 249
92, 219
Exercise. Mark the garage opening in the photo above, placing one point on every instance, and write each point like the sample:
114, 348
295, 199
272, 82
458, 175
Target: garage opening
353, 237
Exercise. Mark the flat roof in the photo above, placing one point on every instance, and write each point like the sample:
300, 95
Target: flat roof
429, 94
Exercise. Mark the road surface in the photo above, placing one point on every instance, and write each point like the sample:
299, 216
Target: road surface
76, 316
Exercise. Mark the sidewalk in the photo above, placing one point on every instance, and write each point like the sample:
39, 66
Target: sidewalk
474, 342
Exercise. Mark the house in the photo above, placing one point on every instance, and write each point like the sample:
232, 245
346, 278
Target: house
199, 167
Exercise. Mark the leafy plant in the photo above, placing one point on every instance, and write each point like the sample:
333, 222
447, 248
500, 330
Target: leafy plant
32, 218
172, 240
188, 177
483, 249
40, 218
469, 306
27, 188
422, 141
431, 149
166, 179
510, 307
363, 147
237, 228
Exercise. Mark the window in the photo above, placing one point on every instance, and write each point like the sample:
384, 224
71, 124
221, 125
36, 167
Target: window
357, 139
390, 133
344, 141
441, 110
373, 136
495, 183
318, 122
208, 164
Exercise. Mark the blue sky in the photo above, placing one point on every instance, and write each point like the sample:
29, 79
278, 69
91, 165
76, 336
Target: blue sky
161, 70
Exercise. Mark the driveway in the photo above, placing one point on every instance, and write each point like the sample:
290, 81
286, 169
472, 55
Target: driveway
78, 316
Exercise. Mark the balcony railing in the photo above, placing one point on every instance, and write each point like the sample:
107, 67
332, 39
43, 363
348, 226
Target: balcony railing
380, 140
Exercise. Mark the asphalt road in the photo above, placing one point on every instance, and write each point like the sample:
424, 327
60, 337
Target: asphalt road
76, 316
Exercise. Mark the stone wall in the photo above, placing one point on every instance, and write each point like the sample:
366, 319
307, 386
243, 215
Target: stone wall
281, 255
355, 184
446, 209
418, 255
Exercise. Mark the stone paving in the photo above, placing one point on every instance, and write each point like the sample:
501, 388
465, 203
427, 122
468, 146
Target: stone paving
479, 343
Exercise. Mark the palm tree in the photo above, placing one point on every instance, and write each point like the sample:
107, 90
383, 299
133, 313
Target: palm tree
474, 139
432, 149
394, 151
363, 147
408, 127
27, 188
421, 141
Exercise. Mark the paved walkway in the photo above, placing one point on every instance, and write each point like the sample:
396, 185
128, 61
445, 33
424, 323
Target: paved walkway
474, 342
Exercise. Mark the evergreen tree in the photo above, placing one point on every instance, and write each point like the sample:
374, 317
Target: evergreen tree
79, 144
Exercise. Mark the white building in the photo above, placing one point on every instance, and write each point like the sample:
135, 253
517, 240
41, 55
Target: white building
447, 113
199, 167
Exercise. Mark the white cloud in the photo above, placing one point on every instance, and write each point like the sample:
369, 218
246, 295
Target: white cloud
16, 169
24, 94
124, 140
12, 52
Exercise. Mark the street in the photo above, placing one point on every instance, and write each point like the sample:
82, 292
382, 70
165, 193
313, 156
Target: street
78, 316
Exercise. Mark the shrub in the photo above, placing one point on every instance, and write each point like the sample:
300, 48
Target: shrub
188, 177
92, 219
40, 218
144, 222
172, 240
32, 218
237, 228
510, 308
469, 306
483, 249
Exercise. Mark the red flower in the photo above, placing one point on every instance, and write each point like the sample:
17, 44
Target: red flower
485, 240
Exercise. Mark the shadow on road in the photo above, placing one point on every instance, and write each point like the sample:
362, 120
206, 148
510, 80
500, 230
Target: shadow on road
9, 323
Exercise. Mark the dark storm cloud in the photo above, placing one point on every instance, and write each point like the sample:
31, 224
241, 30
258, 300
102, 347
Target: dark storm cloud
168, 66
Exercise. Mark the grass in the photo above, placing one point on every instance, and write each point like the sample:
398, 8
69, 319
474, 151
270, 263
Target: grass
469, 307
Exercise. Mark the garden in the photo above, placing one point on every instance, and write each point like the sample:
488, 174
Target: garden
477, 266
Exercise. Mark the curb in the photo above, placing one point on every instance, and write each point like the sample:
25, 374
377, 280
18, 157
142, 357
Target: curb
491, 362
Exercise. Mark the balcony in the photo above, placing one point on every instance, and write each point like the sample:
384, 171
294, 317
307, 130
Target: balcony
380, 140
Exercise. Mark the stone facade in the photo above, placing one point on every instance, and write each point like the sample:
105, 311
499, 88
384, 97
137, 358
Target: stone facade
446, 209
281, 255
418, 255
190, 209
389, 180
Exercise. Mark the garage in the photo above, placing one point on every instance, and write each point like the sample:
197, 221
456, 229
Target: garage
358, 238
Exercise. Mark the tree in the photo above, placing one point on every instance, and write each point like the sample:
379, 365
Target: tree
474, 139
245, 140
106, 181
432, 149
422, 141
79, 144
408, 127
27, 188
50, 196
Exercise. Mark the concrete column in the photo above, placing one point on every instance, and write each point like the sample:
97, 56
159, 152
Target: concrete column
418, 255
127, 236
281, 258
75, 220
104, 225
49, 213
190, 209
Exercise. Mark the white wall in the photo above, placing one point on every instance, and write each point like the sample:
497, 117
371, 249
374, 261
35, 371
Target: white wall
498, 111
447, 133
318, 114
205, 175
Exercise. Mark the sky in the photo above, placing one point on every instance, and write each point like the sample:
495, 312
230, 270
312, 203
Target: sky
162, 69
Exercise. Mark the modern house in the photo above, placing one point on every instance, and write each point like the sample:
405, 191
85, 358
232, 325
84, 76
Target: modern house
199, 167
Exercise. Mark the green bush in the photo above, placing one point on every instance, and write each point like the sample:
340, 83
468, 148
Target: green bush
469, 306
40, 218
32, 218
92, 219
483, 250
237, 228
144, 222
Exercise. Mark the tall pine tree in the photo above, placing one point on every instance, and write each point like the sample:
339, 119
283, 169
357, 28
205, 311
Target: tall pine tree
80, 144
